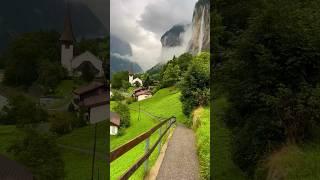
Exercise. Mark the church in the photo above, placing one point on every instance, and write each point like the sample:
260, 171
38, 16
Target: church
74, 64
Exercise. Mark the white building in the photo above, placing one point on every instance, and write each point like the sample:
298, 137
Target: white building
72, 63
133, 80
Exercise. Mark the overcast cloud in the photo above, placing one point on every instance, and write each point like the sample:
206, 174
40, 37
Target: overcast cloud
142, 22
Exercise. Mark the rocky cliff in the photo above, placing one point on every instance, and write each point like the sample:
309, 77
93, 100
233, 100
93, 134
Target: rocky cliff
200, 39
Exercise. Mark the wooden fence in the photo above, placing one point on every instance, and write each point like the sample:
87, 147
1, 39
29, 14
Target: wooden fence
115, 154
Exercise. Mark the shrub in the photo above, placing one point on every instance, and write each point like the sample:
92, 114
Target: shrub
40, 154
124, 112
61, 123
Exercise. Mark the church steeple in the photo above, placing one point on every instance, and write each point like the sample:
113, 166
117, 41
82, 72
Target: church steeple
67, 34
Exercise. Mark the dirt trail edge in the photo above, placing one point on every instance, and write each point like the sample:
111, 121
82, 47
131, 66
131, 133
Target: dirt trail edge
180, 160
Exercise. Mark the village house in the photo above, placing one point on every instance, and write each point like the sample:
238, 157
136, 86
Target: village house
75, 64
114, 123
94, 99
141, 94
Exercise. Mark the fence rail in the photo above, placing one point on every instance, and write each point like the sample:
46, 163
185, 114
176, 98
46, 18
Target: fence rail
115, 154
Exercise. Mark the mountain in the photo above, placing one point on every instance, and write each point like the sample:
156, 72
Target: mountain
175, 42
172, 37
120, 55
200, 39
18, 16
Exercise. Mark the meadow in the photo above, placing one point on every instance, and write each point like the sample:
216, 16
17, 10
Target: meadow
165, 103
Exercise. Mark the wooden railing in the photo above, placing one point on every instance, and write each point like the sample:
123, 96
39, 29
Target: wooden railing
115, 154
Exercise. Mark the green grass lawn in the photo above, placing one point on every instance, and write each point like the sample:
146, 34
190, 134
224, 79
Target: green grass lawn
224, 167
84, 137
78, 166
203, 140
164, 103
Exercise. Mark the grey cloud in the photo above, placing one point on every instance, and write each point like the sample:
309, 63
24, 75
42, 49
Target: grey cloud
160, 16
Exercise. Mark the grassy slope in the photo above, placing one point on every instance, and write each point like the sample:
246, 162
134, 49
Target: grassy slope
224, 168
293, 163
83, 137
203, 140
78, 164
164, 103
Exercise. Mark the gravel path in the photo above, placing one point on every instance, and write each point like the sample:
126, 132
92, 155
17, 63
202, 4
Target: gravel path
180, 160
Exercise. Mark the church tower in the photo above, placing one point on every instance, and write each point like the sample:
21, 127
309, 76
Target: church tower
131, 75
67, 40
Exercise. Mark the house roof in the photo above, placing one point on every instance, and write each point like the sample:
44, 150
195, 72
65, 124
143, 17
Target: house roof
114, 118
144, 92
94, 101
92, 86
10, 169
67, 34
138, 89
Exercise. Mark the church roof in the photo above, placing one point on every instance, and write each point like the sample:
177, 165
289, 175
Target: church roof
67, 34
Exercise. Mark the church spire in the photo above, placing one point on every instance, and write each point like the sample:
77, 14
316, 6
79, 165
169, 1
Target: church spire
67, 34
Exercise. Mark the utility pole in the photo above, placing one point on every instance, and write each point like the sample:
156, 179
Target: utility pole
139, 112
94, 150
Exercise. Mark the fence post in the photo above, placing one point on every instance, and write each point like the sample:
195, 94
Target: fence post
146, 150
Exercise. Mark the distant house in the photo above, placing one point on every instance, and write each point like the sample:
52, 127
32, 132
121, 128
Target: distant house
114, 123
95, 100
12, 170
142, 94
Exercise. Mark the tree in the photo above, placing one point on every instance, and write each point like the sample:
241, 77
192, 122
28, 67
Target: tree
124, 112
195, 84
118, 77
170, 75
271, 78
137, 84
24, 54
22, 111
50, 75
40, 154
147, 81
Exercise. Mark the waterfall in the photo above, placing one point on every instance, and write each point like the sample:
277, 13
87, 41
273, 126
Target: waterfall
201, 35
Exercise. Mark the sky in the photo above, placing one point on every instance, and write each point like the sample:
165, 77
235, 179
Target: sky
141, 23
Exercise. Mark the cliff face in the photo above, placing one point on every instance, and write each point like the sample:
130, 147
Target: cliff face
174, 42
172, 37
200, 39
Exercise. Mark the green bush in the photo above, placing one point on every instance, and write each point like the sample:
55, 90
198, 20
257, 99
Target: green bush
61, 123
22, 111
40, 154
